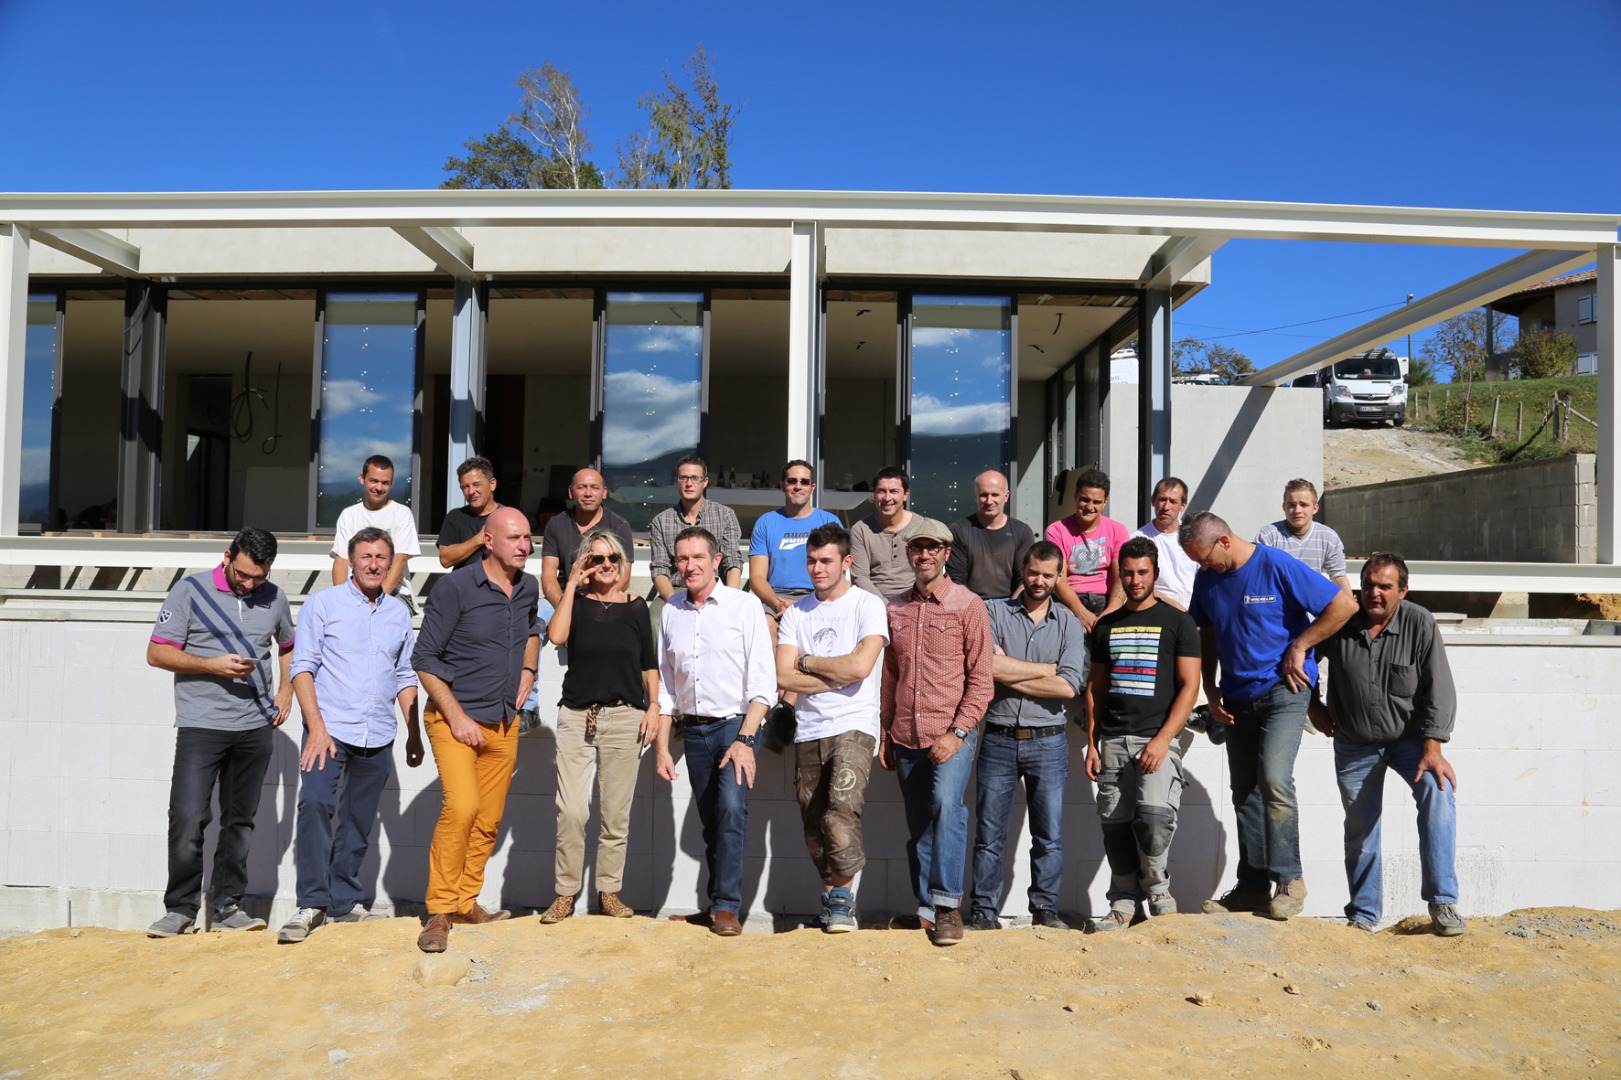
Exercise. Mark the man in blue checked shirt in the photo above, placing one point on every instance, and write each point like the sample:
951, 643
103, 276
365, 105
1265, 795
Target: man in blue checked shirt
351, 668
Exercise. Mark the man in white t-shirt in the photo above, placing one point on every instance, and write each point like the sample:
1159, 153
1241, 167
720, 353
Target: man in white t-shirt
1175, 582
828, 647
376, 510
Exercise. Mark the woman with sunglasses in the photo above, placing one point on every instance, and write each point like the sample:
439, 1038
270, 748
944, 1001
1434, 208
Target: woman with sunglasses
608, 713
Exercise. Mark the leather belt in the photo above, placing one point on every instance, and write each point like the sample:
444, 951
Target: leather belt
1024, 733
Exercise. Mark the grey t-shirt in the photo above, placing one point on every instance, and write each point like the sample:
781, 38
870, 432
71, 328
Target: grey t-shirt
205, 618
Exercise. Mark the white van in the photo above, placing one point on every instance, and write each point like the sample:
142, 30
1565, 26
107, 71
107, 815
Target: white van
1368, 386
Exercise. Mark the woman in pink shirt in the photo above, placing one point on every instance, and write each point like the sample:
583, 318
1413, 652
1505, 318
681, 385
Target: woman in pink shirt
1091, 546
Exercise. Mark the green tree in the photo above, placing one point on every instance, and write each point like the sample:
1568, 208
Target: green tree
1419, 372
1459, 346
1545, 355
543, 144
687, 141
1191, 355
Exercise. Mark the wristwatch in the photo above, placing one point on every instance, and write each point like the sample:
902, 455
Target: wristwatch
961, 733
746, 740
799, 665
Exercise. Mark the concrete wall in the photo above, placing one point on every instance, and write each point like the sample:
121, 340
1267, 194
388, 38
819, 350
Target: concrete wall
86, 746
1234, 446
1537, 511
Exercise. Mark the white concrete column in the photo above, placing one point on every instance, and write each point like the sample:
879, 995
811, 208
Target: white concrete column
466, 382
1608, 486
14, 353
1154, 396
804, 349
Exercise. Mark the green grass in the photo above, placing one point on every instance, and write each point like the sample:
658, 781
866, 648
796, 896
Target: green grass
1441, 409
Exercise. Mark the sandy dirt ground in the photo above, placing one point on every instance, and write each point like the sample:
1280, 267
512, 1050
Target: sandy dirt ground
1378, 455
1534, 992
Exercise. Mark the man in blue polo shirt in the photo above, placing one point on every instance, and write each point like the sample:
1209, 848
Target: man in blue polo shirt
351, 666
1260, 612
215, 632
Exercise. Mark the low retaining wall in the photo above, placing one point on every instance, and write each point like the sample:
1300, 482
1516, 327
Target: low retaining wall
86, 746
1537, 511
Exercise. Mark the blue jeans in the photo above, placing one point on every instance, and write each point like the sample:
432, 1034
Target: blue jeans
1261, 749
1043, 764
937, 820
237, 761
1360, 768
337, 807
723, 807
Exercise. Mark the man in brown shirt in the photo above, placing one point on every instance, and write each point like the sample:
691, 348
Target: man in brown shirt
937, 685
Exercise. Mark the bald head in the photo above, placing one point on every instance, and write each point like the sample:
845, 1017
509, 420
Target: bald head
990, 495
507, 541
587, 489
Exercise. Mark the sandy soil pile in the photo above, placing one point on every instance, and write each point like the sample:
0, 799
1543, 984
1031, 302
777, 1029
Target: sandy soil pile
1533, 992
1377, 455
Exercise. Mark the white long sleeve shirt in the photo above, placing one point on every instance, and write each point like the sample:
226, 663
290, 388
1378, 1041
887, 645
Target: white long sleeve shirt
716, 657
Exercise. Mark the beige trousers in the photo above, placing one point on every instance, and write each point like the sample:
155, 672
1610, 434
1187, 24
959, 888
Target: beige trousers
613, 755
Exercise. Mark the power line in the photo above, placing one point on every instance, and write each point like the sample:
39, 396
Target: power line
1287, 326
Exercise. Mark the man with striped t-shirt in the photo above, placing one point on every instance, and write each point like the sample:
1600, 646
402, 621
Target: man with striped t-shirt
1145, 676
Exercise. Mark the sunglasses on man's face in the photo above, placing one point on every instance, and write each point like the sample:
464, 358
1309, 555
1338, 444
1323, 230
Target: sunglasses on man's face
920, 546
598, 560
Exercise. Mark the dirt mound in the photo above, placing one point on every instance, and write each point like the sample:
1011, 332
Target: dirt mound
1353, 457
1533, 991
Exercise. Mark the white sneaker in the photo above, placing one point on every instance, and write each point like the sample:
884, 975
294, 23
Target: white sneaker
356, 914
302, 925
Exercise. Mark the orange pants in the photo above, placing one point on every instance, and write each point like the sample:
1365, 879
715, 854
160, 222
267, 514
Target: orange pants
475, 783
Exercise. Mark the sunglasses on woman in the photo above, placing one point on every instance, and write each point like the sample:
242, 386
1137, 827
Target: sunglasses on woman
598, 560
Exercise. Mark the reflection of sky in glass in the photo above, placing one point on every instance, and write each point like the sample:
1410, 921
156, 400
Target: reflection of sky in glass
961, 363
39, 379
368, 382
652, 379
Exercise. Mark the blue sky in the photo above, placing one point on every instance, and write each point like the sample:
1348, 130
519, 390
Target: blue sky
1462, 103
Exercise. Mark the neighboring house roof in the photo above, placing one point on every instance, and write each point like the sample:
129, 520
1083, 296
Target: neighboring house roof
1555, 283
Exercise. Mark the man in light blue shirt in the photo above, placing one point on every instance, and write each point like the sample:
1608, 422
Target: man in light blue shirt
351, 668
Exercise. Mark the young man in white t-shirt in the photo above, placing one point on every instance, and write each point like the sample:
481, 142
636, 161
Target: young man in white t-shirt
828, 647
376, 510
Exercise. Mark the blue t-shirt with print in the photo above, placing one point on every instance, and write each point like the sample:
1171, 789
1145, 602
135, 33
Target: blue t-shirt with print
1257, 610
782, 539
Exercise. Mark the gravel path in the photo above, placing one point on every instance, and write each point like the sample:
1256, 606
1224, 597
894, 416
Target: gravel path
1377, 455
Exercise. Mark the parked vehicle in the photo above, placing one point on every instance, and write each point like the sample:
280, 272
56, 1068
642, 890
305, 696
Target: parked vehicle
1368, 386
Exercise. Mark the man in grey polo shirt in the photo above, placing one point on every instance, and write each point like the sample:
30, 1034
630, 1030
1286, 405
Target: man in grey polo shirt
1391, 704
1039, 664
214, 633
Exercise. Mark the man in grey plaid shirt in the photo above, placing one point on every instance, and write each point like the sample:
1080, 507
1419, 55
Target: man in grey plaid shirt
1299, 534
691, 479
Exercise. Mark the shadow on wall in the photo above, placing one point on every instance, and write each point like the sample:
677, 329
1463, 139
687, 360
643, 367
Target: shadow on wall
776, 838
1207, 489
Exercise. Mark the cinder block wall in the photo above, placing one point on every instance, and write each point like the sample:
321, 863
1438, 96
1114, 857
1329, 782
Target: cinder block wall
1538, 511
86, 746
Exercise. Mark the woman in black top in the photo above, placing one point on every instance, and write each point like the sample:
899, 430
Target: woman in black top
608, 714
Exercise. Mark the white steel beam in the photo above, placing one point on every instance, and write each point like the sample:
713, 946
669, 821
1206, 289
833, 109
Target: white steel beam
804, 320
95, 246
997, 212
1177, 258
467, 361
1527, 269
1608, 493
14, 352
450, 250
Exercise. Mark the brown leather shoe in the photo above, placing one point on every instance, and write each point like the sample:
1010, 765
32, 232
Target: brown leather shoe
435, 934
476, 916
910, 922
610, 905
724, 924
947, 926
561, 909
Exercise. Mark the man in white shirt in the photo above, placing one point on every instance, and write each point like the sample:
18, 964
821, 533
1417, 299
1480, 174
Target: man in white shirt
716, 670
1175, 582
376, 510
828, 646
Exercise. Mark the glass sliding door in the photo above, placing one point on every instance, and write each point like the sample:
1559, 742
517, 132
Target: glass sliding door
370, 355
653, 354
36, 501
961, 366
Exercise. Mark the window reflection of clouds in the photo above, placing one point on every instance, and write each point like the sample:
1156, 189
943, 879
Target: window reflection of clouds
961, 407
652, 384
39, 380
368, 384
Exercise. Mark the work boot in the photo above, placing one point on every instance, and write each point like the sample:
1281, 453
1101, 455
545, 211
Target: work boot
1444, 919
1240, 899
1289, 900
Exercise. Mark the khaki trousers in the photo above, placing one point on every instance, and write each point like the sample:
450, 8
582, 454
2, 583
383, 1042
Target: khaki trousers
475, 786
614, 755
